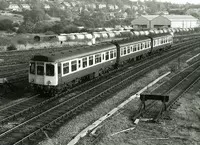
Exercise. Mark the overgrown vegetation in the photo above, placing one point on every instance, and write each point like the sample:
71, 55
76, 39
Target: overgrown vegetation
11, 47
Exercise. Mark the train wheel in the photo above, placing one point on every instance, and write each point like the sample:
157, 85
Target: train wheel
92, 76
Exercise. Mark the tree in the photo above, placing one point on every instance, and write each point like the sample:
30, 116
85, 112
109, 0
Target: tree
3, 5
6, 25
35, 15
26, 27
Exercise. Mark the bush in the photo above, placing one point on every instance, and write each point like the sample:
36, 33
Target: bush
22, 41
49, 33
11, 47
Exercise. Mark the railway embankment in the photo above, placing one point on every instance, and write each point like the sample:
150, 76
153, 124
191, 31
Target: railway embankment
146, 133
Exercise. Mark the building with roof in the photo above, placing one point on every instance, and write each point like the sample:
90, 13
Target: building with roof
175, 21
144, 21
160, 21
26, 6
14, 7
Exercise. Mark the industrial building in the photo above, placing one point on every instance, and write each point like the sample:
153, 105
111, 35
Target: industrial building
169, 21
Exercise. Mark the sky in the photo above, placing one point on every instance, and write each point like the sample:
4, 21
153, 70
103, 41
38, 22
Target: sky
178, 1
182, 1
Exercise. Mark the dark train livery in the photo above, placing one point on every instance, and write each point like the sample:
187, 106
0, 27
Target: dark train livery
61, 70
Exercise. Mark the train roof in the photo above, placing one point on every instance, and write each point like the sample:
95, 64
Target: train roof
73, 53
152, 35
131, 40
81, 51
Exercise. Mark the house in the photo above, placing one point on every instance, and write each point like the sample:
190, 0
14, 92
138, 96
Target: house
121, 15
91, 6
62, 7
46, 6
14, 7
192, 11
171, 21
111, 7
73, 4
127, 7
143, 21
26, 6
67, 4
134, 7
101, 6
116, 7
110, 16
162, 13
175, 21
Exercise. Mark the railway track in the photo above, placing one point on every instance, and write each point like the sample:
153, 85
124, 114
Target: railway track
15, 69
53, 113
19, 72
175, 88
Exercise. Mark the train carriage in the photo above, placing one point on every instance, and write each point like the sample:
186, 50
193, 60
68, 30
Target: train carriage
61, 70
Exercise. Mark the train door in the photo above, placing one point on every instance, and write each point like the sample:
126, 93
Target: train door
39, 73
51, 74
103, 56
59, 74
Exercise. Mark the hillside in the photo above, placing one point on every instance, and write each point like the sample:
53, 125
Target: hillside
64, 16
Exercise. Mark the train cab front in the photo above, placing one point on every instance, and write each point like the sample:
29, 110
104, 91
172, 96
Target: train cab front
43, 77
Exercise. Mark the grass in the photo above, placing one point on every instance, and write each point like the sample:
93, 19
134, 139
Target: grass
12, 17
144, 135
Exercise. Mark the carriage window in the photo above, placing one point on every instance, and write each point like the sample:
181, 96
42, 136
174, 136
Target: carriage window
66, 68
32, 68
139, 47
74, 65
128, 50
131, 48
136, 47
111, 54
124, 50
84, 62
91, 60
49, 70
97, 58
40, 69
79, 63
143, 45
146, 44
115, 53
107, 55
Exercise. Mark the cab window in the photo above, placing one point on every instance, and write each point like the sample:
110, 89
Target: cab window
66, 68
40, 69
49, 70
32, 68
74, 65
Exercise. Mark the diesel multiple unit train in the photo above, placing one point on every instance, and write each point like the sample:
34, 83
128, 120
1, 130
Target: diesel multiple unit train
53, 72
